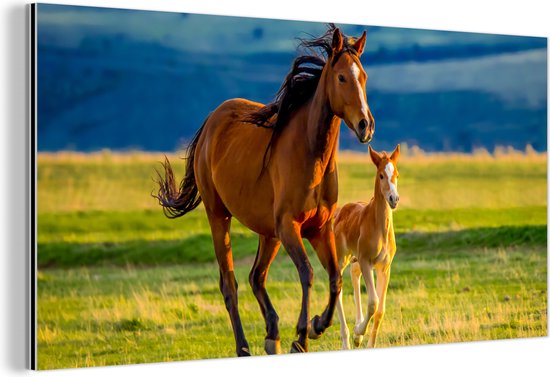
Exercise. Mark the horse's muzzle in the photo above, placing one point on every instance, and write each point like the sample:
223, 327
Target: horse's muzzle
365, 130
393, 200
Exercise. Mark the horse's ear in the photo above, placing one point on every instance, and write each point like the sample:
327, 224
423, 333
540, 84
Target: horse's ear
395, 154
337, 41
359, 44
374, 156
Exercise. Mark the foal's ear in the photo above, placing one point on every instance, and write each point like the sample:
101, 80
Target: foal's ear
395, 154
359, 44
337, 41
375, 156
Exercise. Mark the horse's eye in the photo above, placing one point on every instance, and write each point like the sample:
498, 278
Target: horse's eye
341, 78
381, 176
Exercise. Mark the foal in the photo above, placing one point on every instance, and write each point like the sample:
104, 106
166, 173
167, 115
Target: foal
365, 237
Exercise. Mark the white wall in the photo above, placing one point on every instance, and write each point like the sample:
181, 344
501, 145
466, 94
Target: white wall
517, 357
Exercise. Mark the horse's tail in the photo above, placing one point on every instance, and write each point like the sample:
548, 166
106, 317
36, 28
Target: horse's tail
175, 201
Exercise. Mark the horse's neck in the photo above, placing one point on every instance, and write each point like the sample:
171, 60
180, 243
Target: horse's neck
382, 212
322, 127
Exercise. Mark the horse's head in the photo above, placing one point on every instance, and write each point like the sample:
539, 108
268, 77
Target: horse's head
387, 174
345, 84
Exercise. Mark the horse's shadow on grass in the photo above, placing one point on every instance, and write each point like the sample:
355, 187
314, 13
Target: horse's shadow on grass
198, 248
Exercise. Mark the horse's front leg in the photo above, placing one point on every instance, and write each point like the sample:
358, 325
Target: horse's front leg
267, 250
289, 232
382, 281
324, 244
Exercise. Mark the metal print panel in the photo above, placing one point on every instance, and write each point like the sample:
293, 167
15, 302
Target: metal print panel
309, 149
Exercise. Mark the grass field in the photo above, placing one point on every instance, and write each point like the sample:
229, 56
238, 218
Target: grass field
119, 283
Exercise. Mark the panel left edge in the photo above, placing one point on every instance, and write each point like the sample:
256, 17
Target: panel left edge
32, 56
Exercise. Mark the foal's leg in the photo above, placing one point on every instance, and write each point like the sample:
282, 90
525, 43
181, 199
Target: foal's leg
382, 281
219, 224
344, 332
267, 250
325, 246
289, 233
355, 272
372, 305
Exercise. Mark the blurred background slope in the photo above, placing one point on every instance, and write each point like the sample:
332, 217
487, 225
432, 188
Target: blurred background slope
122, 80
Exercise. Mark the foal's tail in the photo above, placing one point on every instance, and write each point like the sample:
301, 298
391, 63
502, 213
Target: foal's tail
175, 201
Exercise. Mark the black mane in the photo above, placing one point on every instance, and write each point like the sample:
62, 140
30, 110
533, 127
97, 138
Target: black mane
301, 82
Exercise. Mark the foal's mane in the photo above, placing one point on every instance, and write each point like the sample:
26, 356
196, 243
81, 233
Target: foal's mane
300, 83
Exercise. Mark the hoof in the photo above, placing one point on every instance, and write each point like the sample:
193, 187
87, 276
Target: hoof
297, 348
312, 333
272, 347
244, 351
345, 345
357, 331
357, 340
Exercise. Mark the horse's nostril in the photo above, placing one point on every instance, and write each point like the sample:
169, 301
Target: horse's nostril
391, 198
363, 125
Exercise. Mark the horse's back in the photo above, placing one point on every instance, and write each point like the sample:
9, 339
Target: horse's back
230, 162
348, 213
228, 132
236, 108
346, 227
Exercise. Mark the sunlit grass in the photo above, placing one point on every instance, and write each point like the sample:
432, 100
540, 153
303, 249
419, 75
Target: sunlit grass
121, 182
102, 316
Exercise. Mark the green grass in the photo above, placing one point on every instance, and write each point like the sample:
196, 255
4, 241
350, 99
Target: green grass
148, 238
119, 283
110, 315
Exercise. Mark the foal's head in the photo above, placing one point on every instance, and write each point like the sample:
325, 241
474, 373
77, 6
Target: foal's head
387, 174
345, 84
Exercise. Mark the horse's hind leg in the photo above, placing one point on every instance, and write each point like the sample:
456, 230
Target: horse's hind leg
267, 250
219, 224
355, 273
372, 296
344, 332
325, 246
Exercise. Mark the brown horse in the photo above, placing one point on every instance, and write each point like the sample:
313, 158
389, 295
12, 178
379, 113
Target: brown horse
279, 177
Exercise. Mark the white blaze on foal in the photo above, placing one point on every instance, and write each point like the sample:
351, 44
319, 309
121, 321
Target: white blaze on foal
390, 169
